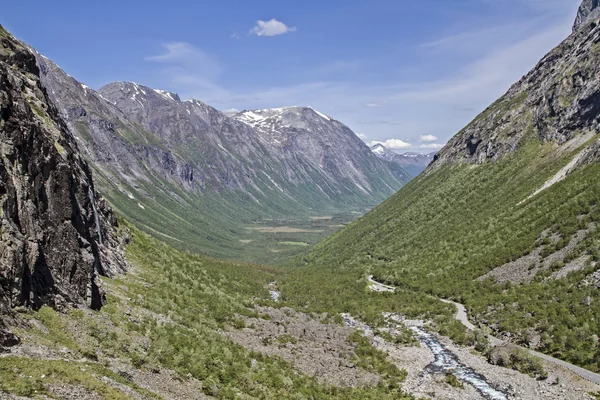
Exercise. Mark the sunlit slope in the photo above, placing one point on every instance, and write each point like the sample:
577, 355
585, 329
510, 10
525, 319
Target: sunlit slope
521, 179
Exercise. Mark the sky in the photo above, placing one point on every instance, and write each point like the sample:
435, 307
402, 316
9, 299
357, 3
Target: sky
409, 74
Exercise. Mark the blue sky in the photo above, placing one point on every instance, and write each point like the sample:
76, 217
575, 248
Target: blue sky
407, 73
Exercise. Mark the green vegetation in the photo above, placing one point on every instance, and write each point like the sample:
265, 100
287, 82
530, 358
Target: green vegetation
445, 229
170, 311
214, 223
454, 381
510, 356
31, 377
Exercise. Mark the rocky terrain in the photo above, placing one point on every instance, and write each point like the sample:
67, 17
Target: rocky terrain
412, 163
58, 235
152, 152
557, 102
588, 10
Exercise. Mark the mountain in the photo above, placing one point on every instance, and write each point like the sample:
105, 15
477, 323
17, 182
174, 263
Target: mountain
173, 324
308, 137
184, 169
58, 235
412, 163
588, 10
503, 220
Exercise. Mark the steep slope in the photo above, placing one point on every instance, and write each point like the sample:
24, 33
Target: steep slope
504, 220
182, 169
310, 138
412, 163
58, 236
588, 10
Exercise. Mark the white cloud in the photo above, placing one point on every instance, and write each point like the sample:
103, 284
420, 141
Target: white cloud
230, 111
427, 138
394, 144
271, 28
497, 56
433, 146
235, 36
361, 135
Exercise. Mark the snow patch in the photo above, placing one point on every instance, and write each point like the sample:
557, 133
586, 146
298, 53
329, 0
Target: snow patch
378, 150
165, 94
320, 114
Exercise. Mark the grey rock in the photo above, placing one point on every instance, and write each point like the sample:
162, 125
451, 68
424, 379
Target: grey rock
57, 234
587, 301
557, 102
588, 10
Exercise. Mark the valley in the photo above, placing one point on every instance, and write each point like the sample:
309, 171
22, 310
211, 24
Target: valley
158, 248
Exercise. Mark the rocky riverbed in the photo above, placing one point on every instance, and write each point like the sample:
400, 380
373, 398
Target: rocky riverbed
426, 382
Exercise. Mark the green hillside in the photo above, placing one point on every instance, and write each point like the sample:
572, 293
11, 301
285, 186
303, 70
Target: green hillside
480, 209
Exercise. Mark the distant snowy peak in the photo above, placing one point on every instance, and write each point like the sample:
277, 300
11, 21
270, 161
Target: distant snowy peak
292, 116
168, 95
379, 149
277, 125
413, 163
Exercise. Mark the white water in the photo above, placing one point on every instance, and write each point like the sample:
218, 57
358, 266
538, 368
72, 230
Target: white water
448, 363
275, 294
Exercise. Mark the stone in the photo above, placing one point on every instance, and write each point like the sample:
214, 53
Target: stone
588, 10
587, 301
58, 235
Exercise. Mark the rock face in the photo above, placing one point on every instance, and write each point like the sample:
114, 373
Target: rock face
307, 137
588, 10
158, 159
412, 163
558, 101
57, 235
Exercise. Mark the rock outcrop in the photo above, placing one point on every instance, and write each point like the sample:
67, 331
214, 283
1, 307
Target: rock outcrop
57, 235
588, 10
158, 159
557, 102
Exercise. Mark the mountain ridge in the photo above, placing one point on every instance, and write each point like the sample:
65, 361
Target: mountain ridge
504, 220
413, 163
158, 158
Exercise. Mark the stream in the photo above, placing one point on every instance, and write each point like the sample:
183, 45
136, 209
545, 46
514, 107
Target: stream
447, 362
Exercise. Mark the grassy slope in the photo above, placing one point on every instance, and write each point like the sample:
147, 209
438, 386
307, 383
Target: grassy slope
169, 311
213, 222
445, 229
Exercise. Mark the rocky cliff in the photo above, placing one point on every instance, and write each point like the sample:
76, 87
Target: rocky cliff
58, 236
307, 137
588, 10
557, 102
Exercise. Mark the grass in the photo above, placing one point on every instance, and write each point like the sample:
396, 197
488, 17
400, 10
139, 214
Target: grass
169, 312
30, 377
454, 382
302, 244
443, 230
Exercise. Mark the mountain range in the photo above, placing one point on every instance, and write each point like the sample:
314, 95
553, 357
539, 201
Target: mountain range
412, 163
490, 252
184, 169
